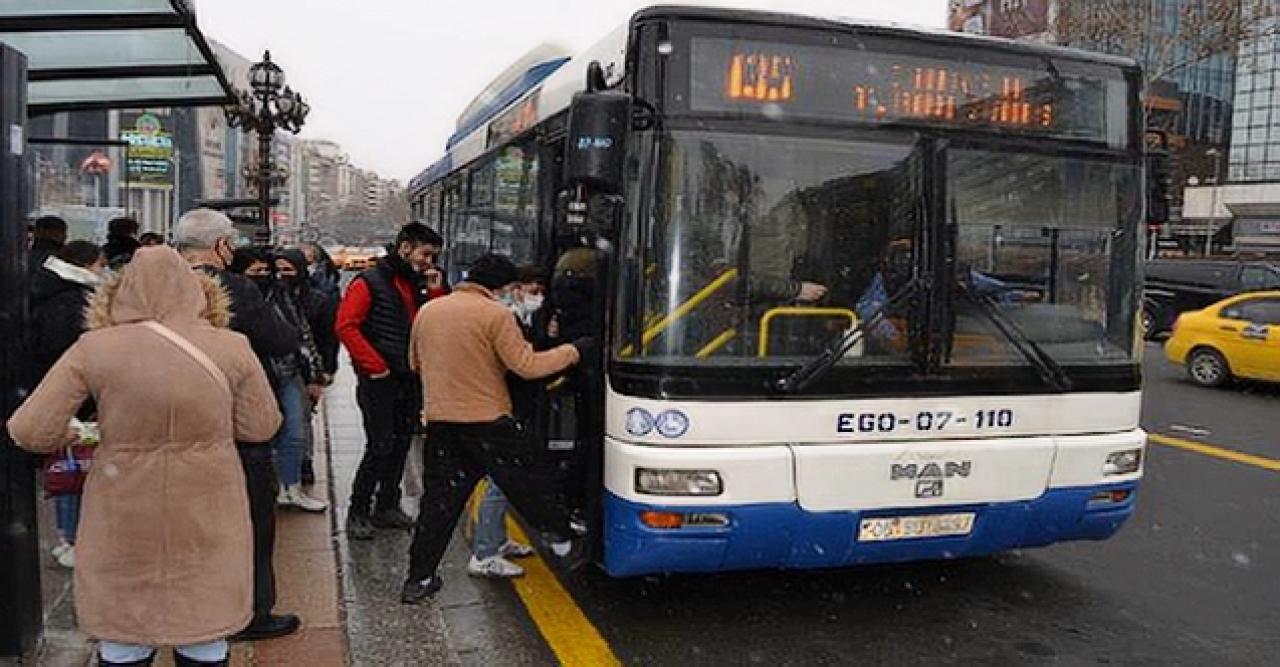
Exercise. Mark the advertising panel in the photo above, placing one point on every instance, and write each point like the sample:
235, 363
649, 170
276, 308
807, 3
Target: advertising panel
150, 163
1018, 19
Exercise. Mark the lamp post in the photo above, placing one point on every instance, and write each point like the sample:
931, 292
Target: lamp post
1213, 206
270, 106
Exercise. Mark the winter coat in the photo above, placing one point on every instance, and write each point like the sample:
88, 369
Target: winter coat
41, 250
267, 331
376, 316
164, 548
59, 293
322, 311
463, 345
304, 361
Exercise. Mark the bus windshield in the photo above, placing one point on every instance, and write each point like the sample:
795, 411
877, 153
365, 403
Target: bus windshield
765, 250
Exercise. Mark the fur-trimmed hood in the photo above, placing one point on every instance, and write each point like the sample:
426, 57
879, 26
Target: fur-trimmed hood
158, 285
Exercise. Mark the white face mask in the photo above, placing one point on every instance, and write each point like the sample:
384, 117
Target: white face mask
531, 303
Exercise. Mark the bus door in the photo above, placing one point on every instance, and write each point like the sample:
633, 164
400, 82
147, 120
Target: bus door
566, 413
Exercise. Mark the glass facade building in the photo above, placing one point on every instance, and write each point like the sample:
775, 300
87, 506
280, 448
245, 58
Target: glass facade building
1255, 133
1205, 89
1192, 102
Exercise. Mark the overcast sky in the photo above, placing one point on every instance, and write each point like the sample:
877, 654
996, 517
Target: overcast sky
387, 78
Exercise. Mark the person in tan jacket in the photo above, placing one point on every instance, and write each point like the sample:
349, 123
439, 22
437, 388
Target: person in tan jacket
462, 346
164, 552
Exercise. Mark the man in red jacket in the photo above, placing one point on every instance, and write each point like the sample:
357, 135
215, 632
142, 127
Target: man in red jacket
373, 323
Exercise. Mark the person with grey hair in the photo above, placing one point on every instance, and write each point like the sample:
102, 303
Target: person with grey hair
206, 239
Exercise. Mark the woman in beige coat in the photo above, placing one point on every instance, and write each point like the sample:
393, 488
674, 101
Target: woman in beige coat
164, 553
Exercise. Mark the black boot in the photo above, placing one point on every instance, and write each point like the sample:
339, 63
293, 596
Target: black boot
269, 627
183, 661
145, 662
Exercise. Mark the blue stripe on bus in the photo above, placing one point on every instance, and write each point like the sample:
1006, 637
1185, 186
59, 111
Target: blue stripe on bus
532, 78
783, 535
528, 81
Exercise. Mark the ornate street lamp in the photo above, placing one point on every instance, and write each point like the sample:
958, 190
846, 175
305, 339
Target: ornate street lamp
272, 105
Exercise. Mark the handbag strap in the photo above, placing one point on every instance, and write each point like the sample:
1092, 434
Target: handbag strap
191, 351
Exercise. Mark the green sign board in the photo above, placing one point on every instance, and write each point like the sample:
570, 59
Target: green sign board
150, 163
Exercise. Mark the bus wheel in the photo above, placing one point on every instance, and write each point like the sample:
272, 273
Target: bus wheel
1207, 368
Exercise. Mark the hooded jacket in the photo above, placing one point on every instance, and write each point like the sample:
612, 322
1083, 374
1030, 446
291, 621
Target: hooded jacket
60, 291
164, 548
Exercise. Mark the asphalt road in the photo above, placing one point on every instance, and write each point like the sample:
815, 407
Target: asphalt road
1193, 578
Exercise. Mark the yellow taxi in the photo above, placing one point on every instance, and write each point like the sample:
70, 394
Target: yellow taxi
1238, 337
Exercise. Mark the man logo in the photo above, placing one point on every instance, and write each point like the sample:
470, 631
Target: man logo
931, 470
930, 477
929, 488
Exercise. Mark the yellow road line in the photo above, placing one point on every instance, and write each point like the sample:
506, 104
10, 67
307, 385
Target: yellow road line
574, 640
1217, 452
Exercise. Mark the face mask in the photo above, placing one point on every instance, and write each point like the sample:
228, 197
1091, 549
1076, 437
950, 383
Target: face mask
263, 282
532, 303
507, 300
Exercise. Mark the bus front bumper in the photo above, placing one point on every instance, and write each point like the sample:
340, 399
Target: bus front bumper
783, 535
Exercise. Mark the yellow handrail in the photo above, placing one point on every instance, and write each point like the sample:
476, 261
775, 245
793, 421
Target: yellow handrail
717, 343
798, 311
684, 309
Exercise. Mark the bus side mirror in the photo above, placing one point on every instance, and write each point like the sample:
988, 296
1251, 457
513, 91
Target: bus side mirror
596, 153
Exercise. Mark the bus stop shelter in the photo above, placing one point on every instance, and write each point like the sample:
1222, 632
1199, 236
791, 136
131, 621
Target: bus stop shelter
69, 55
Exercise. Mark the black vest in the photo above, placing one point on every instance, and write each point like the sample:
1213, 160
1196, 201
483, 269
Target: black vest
388, 325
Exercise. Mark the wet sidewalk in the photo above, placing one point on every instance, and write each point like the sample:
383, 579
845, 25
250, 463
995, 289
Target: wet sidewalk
470, 622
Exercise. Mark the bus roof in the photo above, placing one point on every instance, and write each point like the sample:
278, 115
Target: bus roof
555, 78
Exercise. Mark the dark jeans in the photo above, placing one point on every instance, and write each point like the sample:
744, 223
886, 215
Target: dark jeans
260, 480
457, 457
390, 409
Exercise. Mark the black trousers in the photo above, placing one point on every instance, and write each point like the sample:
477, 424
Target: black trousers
457, 457
390, 409
261, 481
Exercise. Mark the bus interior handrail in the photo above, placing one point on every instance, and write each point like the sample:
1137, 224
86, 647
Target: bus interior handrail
798, 311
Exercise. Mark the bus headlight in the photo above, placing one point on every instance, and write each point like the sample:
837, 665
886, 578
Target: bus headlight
1123, 462
660, 482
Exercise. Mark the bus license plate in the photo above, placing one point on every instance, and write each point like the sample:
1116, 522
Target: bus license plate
913, 527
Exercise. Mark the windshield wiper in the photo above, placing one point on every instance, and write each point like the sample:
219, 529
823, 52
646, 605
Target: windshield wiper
1049, 369
817, 367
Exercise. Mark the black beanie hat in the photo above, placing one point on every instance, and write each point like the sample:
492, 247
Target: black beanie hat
492, 271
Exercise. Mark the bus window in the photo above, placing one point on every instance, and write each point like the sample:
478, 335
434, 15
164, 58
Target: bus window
475, 221
515, 218
450, 217
1040, 239
743, 223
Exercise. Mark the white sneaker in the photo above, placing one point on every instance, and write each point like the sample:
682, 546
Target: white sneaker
57, 551
514, 549
494, 566
67, 558
294, 497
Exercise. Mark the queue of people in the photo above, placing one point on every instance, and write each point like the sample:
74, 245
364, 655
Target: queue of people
207, 360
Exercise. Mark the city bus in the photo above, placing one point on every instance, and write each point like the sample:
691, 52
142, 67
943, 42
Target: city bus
863, 293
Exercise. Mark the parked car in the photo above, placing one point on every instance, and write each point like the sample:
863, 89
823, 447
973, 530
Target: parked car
1177, 286
1238, 337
